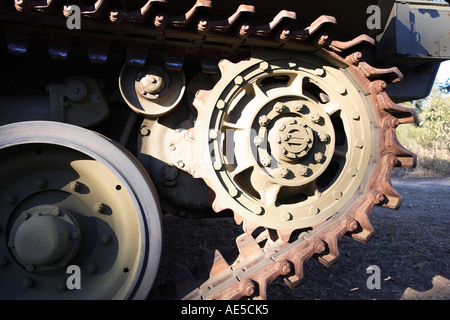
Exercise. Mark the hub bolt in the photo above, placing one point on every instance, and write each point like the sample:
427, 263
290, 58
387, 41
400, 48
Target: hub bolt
323, 137
74, 186
265, 161
278, 107
263, 121
315, 118
303, 171
318, 157
284, 172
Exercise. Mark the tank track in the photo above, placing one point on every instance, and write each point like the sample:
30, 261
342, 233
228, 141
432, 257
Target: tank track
261, 260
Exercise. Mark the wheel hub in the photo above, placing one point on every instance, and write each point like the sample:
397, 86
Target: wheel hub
288, 141
44, 238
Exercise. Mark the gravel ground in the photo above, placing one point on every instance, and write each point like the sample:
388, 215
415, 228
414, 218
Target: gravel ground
411, 249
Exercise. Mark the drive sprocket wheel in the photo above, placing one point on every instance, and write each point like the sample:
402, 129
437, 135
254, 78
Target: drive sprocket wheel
286, 140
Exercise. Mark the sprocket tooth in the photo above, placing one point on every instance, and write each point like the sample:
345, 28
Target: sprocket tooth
217, 262
225, 65
249, 227
284, 234
218, 204
238, 219
247, 245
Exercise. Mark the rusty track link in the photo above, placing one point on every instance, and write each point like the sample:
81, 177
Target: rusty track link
260, 260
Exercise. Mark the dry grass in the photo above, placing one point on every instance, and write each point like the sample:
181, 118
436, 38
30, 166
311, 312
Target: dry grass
433, 156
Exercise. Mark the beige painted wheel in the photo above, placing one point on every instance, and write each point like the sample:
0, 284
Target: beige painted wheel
70, 197
286, 140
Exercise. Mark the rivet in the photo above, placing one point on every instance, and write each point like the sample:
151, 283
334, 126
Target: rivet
27, 283
56, 212
315, 118
320, 247
257, 141
233, 192
105, 239
99, 207
265, 161
303, 171
24, 216
74, 235
29, 267
285, 268
278, 107
217, 165
74, 186
40, 183
337, 195
299, 106
264, 65
318, 157
341, 90
359, 143
286, 216
352, 225
145, 131
284, 172
249, 289
353, 171
379, 197
220, 104
355, 115
323, 137
238, 80
313, 211
263, 121
10, 199
212, 134
257, 210
319, 72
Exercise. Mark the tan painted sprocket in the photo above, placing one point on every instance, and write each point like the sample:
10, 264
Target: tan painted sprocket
285, 140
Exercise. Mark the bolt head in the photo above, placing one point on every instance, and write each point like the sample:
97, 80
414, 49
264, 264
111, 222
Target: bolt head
279, 107
284, 172
303, 171
315, 118
99, 207
318, 157
263, 121
323, 137
266, 161
74, 186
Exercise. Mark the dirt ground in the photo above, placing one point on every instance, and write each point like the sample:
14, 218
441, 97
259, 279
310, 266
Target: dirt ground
411, 248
